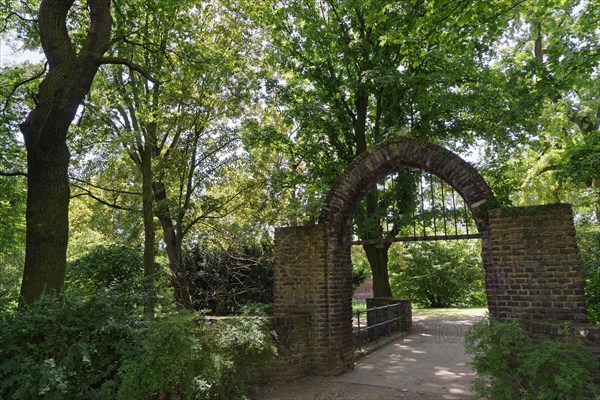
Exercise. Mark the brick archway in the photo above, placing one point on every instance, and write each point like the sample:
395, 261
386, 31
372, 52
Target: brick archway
386, 157
529, 255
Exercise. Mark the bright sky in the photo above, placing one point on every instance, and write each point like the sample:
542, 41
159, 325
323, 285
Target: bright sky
9, 56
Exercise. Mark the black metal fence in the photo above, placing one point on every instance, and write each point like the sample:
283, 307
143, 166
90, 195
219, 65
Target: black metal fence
380, 322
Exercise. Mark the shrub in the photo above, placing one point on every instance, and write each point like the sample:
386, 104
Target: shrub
69, 349
99, 347
187, 359
438, 274
361, 270
104, 267
511, 367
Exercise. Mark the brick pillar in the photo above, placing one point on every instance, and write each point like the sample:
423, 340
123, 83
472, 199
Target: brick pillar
313, 276
535, 266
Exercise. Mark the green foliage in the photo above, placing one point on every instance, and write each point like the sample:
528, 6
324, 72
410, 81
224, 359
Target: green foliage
581, 161
104, 267
359, 305
13, 188
188, 359
99, 347
588, 243
511, 367
222, 281
69, 349
438, 274
552, 86
257, 309
360, 266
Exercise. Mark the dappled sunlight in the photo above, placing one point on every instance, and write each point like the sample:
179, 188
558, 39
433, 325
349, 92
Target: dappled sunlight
431, 359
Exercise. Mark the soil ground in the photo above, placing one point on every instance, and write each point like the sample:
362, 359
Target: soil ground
427, 364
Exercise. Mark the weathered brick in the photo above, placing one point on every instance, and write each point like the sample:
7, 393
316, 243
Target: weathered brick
529, 255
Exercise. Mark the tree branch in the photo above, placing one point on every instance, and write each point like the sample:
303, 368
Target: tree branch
131, 65
103, 188
19, 84
98, 199
19, 16
13, 173
547, 168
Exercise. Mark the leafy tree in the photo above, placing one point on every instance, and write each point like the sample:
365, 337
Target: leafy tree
550, 60
350, 74
74, 50
105, 267
178, 134
438, 274
13, 166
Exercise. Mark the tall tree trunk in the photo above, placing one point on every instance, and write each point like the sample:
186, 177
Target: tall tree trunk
360, 123
377, 254
149, 235
62, 90
179, 278
47, 216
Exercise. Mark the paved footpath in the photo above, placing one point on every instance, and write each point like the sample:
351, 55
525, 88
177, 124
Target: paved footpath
428, 364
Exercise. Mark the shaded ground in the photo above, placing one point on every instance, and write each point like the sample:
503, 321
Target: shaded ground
428, 364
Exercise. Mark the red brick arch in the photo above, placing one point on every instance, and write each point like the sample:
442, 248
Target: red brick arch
529, 255
385, 158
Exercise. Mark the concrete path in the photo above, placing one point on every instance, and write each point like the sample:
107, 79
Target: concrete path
428, 364
431, 360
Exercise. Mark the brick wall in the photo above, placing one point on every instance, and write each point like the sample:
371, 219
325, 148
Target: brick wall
313, 277
529, 255
535, 265
292, 340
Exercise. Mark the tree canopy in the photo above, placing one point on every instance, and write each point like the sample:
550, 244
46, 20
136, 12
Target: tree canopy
175, 124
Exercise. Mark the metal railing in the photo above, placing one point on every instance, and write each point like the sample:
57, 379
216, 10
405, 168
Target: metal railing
358, 332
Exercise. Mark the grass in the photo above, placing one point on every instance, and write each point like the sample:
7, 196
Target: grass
440, 313
361, 305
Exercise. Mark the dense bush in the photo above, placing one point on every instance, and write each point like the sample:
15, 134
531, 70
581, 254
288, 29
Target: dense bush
67, 350
438, 274
223, 281
361, 270
184, 358
93, 343
101, 348
105, 267
510, 367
